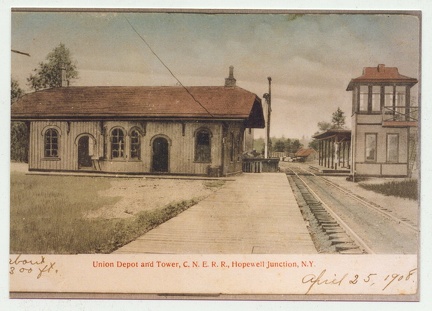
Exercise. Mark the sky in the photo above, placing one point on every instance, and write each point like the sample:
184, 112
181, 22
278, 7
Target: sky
310, 57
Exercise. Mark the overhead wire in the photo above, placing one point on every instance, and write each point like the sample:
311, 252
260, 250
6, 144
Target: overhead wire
19, 52
169, 70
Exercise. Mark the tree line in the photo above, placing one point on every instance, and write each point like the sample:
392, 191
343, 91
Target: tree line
290, 145
286, 145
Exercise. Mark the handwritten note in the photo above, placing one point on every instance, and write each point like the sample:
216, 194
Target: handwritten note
37, 268
384, 281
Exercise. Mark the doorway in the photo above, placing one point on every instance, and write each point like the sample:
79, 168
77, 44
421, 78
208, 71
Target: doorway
160, 155
84, 157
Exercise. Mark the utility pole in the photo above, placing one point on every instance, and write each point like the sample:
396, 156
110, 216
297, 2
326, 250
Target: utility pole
267, 97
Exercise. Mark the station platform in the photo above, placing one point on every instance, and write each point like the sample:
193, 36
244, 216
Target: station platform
329, 171
254, 213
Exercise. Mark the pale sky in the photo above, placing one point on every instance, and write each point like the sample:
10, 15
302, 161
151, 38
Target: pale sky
311, 58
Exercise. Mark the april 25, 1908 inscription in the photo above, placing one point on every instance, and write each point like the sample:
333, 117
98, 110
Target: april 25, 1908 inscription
349, 279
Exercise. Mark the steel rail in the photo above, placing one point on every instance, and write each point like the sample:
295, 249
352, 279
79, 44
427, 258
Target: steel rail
342, 223
364, 202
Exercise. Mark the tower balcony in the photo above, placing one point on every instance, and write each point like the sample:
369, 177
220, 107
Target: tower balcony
399, 116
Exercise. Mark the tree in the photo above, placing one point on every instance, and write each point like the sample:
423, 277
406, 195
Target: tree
19, 130
337, 122
48, 74
279, 146
296, 145
324, 126
16, 91
338, 119
314, 144
287, 145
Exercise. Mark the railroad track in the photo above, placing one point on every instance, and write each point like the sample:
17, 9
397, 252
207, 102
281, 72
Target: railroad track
385, 212
341, 237
340, 234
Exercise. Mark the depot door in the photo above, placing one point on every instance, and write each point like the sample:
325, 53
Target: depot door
160, 155
84, 158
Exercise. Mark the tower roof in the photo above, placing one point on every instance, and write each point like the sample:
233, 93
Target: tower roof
379, 74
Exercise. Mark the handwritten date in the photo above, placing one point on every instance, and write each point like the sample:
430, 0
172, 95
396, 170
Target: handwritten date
352, 279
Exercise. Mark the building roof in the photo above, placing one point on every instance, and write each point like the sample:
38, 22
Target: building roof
141, 102
381, 73
340, 133
305, 152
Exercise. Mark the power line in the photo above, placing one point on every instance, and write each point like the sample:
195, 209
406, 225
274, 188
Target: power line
154, 53
19, 52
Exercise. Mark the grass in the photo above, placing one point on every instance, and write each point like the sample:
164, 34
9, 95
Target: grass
404, 189
47, 215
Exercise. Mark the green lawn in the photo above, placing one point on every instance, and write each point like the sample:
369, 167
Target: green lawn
47, 216
404, 189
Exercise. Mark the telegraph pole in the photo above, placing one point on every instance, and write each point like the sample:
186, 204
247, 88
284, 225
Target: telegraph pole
267, 97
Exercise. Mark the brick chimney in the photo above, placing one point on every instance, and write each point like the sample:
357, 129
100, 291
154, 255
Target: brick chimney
381, 67
230, 81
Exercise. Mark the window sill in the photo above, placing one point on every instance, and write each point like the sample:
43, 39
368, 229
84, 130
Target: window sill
51, 159
203, 162
123, 160
370, 112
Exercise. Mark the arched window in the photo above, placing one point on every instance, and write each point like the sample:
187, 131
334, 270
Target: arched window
51, 143
117, 143
202, 146
135, 145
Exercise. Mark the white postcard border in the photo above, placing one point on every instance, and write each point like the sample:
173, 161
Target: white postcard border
425, 253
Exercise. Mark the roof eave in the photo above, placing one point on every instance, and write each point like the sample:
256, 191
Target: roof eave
23, 117
407, 81
332, 133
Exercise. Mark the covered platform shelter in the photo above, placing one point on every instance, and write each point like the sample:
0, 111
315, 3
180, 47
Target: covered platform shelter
334, 149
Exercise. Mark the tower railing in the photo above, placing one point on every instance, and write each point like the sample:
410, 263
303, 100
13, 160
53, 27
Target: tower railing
400, 113
400, 116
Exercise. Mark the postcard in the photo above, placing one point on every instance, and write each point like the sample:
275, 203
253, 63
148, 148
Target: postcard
215, 154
